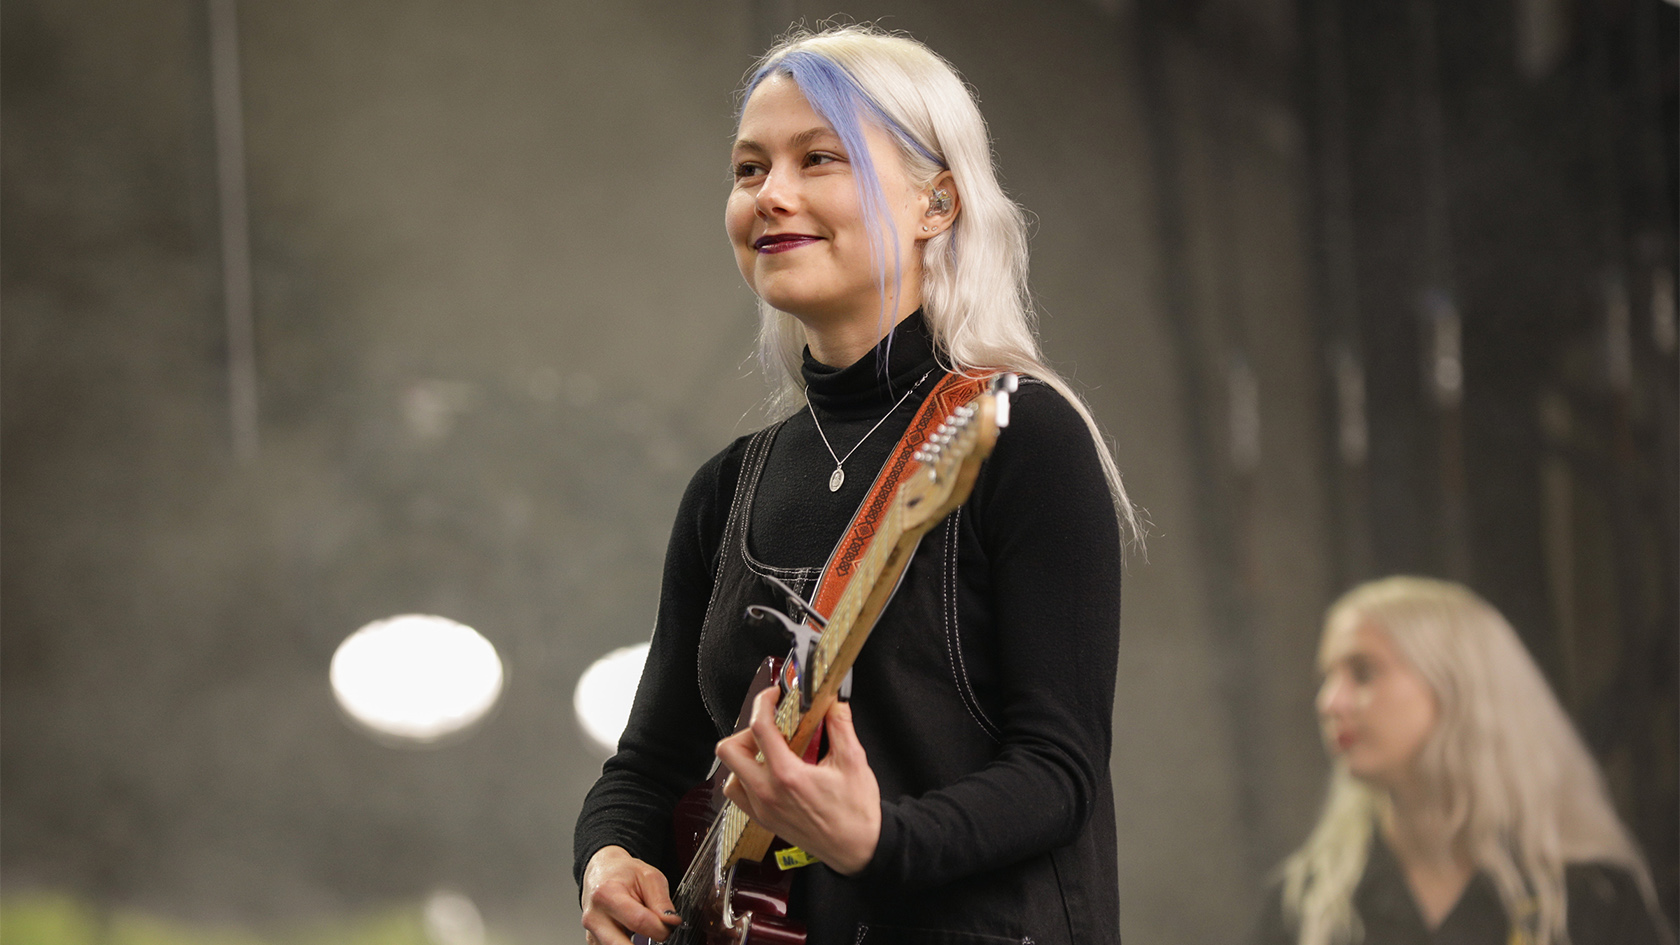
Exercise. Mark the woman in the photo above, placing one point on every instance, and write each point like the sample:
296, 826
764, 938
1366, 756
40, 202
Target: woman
965, 794
1462, 806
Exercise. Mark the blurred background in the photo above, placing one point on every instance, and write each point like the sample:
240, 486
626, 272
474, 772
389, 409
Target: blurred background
318, 313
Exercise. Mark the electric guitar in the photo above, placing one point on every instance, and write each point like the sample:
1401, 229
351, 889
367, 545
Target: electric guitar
733, 893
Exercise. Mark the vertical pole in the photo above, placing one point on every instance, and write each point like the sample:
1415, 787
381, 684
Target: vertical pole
1438, 301
1339, 300
235, 227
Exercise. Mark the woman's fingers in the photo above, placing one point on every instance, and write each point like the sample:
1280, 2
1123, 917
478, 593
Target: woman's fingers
741, 752
844, 749
622, 894
735, 791
619, 910
771, 743
854, 795
832, 808
656, 895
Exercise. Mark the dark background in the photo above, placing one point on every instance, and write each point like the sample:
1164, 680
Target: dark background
1357, 287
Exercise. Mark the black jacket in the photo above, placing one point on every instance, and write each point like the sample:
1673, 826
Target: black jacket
983, 698
1605, 908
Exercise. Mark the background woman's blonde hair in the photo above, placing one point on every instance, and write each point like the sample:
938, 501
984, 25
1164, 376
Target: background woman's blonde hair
974, 284
1516, 785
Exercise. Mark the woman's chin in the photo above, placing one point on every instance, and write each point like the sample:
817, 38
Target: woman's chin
810, 310
1372, 776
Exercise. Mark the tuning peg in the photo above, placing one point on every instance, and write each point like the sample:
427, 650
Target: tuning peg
1002, 386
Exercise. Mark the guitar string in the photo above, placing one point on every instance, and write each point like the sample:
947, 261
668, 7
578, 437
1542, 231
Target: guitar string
687, 887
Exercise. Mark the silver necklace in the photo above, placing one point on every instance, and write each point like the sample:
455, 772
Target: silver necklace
837, 478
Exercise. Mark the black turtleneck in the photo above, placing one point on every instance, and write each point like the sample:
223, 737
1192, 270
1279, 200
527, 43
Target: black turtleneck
797, 521
1029, 634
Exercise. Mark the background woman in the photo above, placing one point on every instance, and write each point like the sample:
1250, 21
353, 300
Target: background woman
1462, 807
966, 789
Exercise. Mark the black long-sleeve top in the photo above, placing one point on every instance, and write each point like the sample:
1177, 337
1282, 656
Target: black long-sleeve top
1605, 908
984, 697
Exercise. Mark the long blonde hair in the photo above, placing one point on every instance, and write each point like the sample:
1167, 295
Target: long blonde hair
974, 282
1515, 784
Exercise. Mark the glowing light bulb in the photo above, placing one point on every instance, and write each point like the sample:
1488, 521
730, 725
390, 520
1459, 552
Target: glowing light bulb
416, 678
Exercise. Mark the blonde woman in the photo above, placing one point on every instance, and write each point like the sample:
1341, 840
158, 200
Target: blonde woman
965, 796
1462, 807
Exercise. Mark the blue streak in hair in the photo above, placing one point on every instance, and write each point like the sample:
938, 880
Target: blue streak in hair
837, 97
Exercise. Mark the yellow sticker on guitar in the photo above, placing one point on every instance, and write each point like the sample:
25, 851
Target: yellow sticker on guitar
793, 858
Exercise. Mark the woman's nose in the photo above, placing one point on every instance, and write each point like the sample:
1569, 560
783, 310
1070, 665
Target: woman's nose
778, 195
1332, 695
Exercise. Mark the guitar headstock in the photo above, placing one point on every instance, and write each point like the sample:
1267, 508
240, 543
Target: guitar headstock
952, 455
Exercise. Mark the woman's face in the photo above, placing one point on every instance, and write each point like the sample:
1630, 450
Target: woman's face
1373, 707
794, 217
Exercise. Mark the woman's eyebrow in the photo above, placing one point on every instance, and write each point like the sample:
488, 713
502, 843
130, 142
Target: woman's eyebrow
799, 140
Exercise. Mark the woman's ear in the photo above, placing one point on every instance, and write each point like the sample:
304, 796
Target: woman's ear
943, 204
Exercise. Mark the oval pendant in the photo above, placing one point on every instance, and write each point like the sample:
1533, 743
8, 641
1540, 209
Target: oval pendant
835, 481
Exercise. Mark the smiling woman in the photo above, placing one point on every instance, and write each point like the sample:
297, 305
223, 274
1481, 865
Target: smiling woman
801, 236
964, 794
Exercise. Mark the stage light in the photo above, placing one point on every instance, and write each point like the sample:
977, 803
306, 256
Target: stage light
604, 693
416, 679
452, 919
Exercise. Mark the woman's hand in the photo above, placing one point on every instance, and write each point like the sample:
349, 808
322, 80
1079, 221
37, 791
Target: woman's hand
832, 809
622, 894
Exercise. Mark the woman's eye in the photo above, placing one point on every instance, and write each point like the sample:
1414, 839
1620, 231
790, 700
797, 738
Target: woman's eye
817, 158
746, 169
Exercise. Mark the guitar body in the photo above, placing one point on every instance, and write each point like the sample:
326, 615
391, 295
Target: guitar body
748, 905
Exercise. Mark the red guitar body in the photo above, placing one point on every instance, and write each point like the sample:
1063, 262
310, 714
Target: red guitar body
748, 905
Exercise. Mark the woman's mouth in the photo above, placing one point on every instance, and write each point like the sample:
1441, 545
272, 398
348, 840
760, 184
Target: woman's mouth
782, 242
1343, 740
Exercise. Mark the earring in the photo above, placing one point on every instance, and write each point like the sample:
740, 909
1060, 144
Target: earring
926, 229
940, 202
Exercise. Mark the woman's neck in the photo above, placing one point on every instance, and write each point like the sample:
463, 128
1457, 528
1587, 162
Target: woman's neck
1430, 852
840, 342
1417, 828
